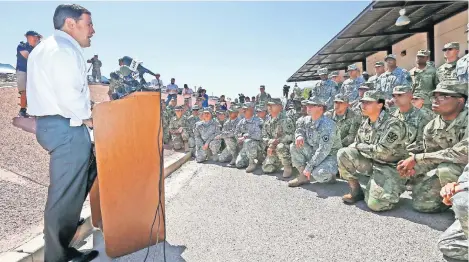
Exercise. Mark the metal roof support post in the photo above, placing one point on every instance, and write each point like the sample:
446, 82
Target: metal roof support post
431, 42
389, 49
364, 65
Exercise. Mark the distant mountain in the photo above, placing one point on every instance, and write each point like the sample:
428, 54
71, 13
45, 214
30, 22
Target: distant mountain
7, 69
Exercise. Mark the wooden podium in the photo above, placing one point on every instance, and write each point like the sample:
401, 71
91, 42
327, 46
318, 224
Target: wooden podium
124, 198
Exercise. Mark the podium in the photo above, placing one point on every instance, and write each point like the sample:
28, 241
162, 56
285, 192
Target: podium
127, 191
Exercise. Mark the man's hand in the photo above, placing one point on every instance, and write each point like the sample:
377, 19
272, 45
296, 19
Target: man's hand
300, 141
205, 147
307, 174
406, 167
88, 122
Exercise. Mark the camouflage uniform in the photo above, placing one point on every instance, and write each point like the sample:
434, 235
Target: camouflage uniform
347, 124
280, 128
462, 69
298, 92
356, 106
388, 80
373, 79
251, 129
445, 145
350, 86
318, 153
295, 113
424, 80
190, 125
425, 110
324, 89
178, 139
263, 97
453, 242
228, 135
447, 70
205, 133
377, 149
96, 71
165, 116
415, 121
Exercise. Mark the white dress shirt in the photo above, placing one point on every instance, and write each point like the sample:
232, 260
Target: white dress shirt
172, 89
156, 83
57, 82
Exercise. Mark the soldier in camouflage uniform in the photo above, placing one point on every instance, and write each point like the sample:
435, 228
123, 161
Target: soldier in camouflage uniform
296, 111
445, 148
261, 112
205, 132
447, 71
277, 135
249, 135
356, 106
229, 137
262, 97
423, 76
350, 86
221, 117
453, 242
334, 76
170, 108
414, 119
418, 100
324, 89
379, 145
346, 120
462, 66
394, 76
165, 116
96, 71
177, 129
379, 70
298, 91
314, 152
190, 125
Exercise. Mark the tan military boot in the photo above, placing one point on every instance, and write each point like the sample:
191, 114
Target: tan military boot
287, 171
232, 162
356, 193
300, 180
251, 167
186, 147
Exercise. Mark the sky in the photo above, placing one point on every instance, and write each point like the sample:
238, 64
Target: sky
225, 47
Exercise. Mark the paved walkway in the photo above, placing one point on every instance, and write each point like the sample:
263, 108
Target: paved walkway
214, 213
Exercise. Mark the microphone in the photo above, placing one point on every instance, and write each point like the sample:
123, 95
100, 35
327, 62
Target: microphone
136, 66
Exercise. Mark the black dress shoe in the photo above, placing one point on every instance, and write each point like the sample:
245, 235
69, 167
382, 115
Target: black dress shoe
86, 256
81, 221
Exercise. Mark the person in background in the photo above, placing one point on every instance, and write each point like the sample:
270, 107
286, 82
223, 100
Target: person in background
241, 98
247, 99
157, 83
172, 90
22, 53
96, 71
253, 99
286, 90
263, 96
59, 98
223, 104
187, 94
365, 76
447, 71
204, 97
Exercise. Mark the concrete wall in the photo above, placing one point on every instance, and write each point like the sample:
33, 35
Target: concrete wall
411, 45
372, 59
451, 30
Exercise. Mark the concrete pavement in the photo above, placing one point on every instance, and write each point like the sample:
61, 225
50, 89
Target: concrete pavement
215, 213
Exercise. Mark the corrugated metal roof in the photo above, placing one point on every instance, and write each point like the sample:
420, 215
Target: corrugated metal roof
373, 30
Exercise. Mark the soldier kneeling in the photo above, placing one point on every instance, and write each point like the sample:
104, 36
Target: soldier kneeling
177, 129
228, 135
248, 133
205, 132
315, 148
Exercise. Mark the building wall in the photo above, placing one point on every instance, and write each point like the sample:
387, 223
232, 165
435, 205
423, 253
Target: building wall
372, 59
411, 46
451, 30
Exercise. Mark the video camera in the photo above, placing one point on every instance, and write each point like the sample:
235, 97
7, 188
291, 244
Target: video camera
128, 79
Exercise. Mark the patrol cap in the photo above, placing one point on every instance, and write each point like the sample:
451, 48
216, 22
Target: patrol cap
304, 102
322, 71
275, 101
372, 95
33, 33
195, 108
232, 110
423, 52
315, 100
365, 73
221, 112
420, 95
262, 86
451, 45
261, 109
379, 63
341, 98
248, 105
367, 85
352, 67
390, 56
334, 73
178, 108
207, 110
402, 89
451, 87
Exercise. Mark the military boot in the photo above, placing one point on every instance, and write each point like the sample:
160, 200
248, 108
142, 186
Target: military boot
356, 193
287, 171
251, 167
232, 162
300, 180
186, 147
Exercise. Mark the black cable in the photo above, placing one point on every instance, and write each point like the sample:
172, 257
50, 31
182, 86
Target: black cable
161, 152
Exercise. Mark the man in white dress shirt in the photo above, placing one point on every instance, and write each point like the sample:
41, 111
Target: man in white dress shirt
58, 95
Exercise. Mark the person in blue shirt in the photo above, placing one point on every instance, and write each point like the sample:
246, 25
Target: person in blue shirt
22, 52
205, 97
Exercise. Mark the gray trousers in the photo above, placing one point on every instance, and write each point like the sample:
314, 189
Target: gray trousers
70, 181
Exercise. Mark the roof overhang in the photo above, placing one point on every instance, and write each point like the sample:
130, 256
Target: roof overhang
373, 30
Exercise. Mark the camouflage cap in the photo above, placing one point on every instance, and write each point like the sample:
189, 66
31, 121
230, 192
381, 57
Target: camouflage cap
178, 108
207, 110
262, 86
195, 107
260, 109
372, 95
420, 95
367, 85
423, 52
322, 71
451, 87
346, 74
304, 102
390, 56
275, 101
248, 105
220, 112
451, 45
233, 110
315, 100
352, 67
402, 89
379, 63
341, 98
365, 73
334, 73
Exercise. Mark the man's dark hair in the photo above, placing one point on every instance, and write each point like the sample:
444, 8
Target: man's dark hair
65, 11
